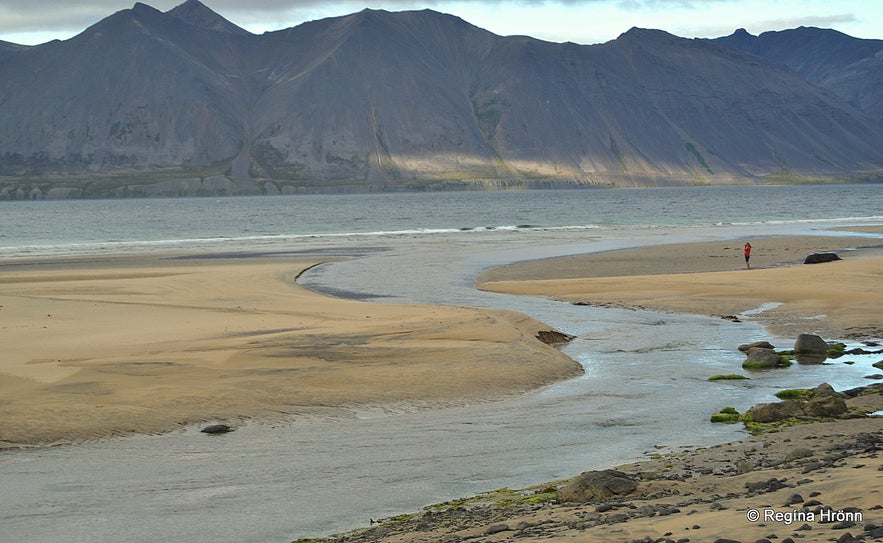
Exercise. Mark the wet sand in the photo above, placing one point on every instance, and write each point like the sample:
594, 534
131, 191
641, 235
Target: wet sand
114, 347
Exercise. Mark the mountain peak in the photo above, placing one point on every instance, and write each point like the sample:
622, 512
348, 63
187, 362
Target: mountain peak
198, 14
647, 34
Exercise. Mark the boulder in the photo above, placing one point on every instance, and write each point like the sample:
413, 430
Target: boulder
762, 344
810, 344
818, 258
217, 429
776, 411
554, 338
825, 390
594, 485
825, 406
760, 358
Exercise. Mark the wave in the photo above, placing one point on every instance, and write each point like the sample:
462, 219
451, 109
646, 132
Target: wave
249, 242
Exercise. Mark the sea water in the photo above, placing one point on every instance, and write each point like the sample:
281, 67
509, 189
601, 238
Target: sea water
314, 476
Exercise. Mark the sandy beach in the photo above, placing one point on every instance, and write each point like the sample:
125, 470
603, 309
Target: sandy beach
113, 347
837, 300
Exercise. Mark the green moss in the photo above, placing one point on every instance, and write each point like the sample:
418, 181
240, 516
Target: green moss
729, 377
794, 394
725, 418
783, 362
727, 415
836, 350
545, 497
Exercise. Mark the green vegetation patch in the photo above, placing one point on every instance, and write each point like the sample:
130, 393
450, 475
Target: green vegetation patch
692, 148
729, 377
727, 415
794, 394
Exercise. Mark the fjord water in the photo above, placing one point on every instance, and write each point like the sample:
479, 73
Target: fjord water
316, 476
80, 227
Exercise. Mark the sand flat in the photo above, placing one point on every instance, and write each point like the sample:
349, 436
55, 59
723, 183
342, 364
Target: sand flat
837, 299
115, 347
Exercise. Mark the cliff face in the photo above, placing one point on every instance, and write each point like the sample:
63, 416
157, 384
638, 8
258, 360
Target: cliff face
185, 102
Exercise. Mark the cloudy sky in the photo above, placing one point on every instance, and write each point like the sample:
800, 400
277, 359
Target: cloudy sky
581, 21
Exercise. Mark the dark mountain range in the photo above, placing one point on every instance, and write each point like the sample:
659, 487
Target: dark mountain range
185, 102
850, 67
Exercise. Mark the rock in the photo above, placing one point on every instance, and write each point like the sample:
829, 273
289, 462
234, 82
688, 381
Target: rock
776, 411
796, 454
217, 429
593, 485
818, 258
795, 498
825, 406
810, 344
770, 485
761, 358
762, 344
825, 390
554, 337
497, 528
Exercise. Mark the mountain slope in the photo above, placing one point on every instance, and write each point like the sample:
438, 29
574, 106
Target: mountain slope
185, 102
850, 67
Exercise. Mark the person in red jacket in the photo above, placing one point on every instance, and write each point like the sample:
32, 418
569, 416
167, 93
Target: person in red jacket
747, 255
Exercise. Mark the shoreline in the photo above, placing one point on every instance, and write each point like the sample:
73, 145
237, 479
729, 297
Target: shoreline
138, 291
791, 477
813, 482
838, 300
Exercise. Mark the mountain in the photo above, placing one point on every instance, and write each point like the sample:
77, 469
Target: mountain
850, 67
146, 103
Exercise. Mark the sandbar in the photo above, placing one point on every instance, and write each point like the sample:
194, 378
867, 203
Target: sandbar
112, 347
837, 300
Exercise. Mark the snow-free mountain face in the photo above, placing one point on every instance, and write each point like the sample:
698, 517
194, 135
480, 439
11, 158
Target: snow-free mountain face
147, 103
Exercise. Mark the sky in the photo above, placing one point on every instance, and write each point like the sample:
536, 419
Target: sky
30, 22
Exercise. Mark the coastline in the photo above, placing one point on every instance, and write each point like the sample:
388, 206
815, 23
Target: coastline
153, 287
114, 347
814, 482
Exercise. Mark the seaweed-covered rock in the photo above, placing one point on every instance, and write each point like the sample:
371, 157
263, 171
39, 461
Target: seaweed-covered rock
762, 358
593, 485
762, 344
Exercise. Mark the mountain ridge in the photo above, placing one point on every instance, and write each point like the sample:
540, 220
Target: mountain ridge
184, 102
